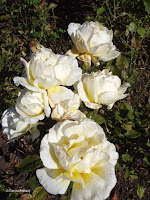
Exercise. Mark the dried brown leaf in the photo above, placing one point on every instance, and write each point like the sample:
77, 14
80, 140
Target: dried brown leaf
114, 197
136, 42
26, 197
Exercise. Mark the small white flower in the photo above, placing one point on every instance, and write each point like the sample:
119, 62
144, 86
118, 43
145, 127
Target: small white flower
65, 104
14, 125
93, 42
100, 88
30, 105
79, 152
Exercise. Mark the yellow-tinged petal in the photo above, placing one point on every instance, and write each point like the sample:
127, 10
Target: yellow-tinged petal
72, 52
83, 155
86, 58
53, 186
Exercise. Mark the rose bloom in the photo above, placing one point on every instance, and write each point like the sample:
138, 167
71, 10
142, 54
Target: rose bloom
79, 152
46, 70
30, 105
14, 125
99, 88
93, 42
65, 104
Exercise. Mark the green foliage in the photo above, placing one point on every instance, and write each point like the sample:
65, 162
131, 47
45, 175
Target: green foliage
126, 158
127, 173
100, 11
32, 2
147, 5
30, 163
145, 159
2, 186
33, 183
133, 134
140, 191
133, 174
132, 27
39, 193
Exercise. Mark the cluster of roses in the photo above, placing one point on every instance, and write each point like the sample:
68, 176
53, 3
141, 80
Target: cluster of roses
76, 148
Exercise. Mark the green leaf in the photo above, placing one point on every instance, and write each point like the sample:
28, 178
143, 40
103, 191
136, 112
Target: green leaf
39, 193
118, 33
148, 143
33, 183
32, 2
30, 163
100, 19
122, 62
115, 70
5, 17
140, 191
134, 176
90, 114
118, 166
2, 186
127, 174
124, 74
133, 134
99, 119
141, 31
132, 27
137, 113
130, 115
126, 158
88, 18
52, 5
100, 11
126, 106
147, 5
117, 130
146, 160
148, 32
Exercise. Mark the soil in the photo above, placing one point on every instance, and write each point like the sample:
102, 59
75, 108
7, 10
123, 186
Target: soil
11, 154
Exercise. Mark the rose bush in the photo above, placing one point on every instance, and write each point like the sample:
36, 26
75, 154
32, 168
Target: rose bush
93, 42
99, 88
79, 152
14, 125
76, 149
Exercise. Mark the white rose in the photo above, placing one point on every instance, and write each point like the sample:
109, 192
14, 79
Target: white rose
79, 152
65, 104
46, 70
14, 125
100, 88
30, 105
93, 42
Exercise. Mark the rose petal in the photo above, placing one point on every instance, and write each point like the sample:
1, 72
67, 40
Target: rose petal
59, 94
52, 186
